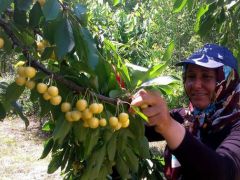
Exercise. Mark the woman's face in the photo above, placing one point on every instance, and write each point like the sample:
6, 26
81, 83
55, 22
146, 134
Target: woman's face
200, 84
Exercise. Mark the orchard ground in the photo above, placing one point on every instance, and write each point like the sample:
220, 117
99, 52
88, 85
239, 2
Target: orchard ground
21, 148
20, 151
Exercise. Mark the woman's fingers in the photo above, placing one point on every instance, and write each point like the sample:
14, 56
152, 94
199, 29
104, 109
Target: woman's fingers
143, 98
151, 110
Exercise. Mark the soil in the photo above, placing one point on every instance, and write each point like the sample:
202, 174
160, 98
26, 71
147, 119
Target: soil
20, 150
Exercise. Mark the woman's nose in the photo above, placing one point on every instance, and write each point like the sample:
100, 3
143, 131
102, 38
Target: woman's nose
197, 83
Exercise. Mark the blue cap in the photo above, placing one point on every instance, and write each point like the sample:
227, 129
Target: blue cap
212, 56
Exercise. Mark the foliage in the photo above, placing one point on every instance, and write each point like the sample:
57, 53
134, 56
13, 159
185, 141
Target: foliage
55, 39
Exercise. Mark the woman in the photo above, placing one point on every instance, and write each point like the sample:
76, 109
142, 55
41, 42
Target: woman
203, 141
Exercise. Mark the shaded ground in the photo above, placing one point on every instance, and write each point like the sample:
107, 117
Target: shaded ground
20, 150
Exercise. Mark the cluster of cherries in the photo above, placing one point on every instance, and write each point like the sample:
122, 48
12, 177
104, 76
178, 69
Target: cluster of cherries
90, 114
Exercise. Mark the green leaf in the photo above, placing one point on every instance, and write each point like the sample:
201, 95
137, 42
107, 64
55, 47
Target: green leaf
139, 112
132, 160
13, 92
23, 5
168, 53
61, 130
144, 147
80, 132
115, 93
136, 67
18, 109
55, 162
203, 9
49, 29
48, 126
34, 95
2, 112
81, 12
4, 4
112, 147
122, 167
156, 70
206, 25
27, 38
92, 139
20, 17
92, 52
47, 53
35, 15
162, 80
179, 5
64, 38
116, 2
47, 148
66, 156
45, 107
51, 9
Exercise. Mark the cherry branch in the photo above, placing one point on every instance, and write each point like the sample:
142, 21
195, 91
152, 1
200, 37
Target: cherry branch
34, 63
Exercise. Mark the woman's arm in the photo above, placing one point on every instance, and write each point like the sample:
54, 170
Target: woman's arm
200, 162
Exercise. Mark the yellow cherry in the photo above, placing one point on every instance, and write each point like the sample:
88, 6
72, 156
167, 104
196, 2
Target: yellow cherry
1, 43
55, 100
52, 91
65, 107
81, 104
46, 96
93, 108
113, 121
41, 88
102, 122
30, 84
20, 80
30, 71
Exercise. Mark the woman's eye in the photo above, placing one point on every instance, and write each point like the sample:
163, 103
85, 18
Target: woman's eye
208, 77
190, 76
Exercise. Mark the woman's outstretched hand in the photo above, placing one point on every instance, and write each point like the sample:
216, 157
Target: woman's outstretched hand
155, 108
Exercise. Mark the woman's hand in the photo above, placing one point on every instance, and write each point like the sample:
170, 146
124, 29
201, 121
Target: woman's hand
156, 109
159, 117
